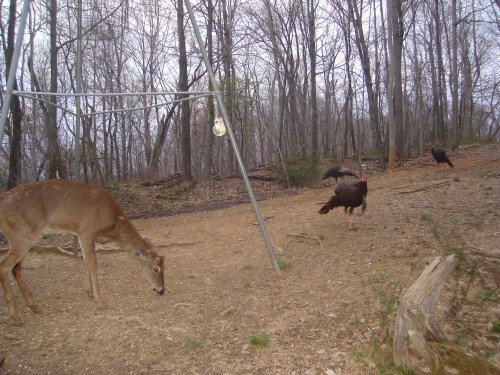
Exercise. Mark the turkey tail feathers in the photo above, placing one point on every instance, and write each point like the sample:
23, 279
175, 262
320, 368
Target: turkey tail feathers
324, 210
330, 205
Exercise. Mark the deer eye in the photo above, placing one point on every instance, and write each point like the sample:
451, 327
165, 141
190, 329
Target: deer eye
155, 269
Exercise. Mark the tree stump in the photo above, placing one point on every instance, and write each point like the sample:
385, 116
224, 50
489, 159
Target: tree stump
419, 343
416, 323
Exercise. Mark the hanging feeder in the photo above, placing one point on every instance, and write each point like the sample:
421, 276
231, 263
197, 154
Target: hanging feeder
219, 128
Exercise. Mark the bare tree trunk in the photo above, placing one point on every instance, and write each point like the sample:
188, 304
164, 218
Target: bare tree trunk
347, 109
386, 131
311, 12
209, 164
398, 81
466, 102
163, 127
434, 88
442, 133
471, 77
183, 87
418, 91
395, 99
330, 124
55, 167
378, 80
390, 86
366, 65
279, 78
15, 132
148, 144
454, 72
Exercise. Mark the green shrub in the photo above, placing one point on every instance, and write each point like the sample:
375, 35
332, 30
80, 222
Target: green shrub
300, 172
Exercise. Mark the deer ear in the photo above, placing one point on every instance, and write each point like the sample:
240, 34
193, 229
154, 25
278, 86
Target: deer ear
148, 241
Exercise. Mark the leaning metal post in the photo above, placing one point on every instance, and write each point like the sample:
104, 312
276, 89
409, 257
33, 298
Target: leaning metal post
13, 68
220, 103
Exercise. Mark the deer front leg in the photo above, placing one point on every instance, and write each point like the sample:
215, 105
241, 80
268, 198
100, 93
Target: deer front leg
90, 258
16, 271
88, 279
13, 257
8, 295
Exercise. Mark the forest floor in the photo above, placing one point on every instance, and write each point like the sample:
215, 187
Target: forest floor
227, 311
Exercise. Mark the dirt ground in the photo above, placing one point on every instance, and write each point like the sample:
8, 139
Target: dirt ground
227, 311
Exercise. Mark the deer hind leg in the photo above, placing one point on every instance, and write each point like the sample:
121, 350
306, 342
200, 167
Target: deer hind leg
87, 244
88, 279
16, 271
17, 250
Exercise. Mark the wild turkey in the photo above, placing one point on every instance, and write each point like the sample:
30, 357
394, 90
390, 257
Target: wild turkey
440, 155
349, 194
338, 171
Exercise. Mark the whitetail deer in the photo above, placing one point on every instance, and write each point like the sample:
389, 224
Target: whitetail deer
70, 207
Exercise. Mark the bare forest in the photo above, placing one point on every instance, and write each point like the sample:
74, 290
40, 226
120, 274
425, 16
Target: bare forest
300, 80
125, 94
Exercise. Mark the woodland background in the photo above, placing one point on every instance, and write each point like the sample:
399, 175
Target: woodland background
300, 80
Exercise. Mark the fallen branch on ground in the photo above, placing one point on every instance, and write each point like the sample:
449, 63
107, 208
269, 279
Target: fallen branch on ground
483, 253
438, 184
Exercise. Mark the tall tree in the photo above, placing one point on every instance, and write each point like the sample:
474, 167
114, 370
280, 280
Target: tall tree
442, 133
15, 131
311, 13
183, 87
55, 164
395, 90
418, 79
455, 130
226, 42
209, 163
361, 43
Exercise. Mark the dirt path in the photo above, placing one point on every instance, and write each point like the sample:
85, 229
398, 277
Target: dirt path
329, 312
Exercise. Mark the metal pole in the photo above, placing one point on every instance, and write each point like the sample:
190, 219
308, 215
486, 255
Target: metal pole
78, 112
171, 93
13, 68
218, 97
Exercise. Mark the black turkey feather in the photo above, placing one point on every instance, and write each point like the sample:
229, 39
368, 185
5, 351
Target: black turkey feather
338, 171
